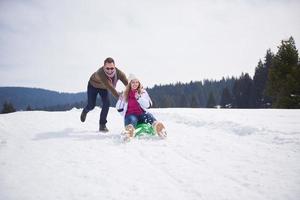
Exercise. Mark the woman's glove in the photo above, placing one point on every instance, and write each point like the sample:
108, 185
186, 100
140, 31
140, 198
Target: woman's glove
121, 97
137, 96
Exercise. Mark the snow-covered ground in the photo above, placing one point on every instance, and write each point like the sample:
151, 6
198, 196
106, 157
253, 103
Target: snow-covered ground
209, 154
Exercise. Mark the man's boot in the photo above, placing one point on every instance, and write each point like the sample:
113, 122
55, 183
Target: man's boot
103, 128
83, 116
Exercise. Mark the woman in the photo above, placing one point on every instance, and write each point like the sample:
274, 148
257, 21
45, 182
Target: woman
133, 106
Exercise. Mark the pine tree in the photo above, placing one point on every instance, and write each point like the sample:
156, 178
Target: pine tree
259, 98
226, 98
267, 100
167, 102
211, 102
28, 108
242, 91
284, 76
182, 101
194, 103
8, 108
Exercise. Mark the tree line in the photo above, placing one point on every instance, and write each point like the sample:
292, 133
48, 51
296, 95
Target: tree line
275, 84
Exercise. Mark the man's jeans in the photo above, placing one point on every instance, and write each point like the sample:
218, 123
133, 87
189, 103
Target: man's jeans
92, 93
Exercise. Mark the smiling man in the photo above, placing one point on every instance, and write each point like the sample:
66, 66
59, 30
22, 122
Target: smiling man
103, 80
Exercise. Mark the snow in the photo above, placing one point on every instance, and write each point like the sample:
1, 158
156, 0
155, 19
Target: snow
209, 154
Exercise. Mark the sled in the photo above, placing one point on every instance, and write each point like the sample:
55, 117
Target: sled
144, 129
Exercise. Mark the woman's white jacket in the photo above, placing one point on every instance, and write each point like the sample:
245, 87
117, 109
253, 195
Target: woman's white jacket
144, 101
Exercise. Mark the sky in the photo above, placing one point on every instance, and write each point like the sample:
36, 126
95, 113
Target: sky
57, 45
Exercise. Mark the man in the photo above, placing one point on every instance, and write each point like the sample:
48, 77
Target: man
103, 80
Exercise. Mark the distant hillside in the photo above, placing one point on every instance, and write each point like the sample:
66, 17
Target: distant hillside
193, 94
21, 97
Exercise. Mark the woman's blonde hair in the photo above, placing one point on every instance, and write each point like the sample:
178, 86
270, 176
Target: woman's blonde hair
128, 88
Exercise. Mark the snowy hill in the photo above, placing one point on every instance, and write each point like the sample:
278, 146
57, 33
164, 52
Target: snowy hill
209, 154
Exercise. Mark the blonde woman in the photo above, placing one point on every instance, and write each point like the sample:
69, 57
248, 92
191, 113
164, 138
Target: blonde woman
133, 105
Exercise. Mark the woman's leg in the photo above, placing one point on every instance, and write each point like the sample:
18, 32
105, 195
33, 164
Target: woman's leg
131, 119
159, 128
147, 118
130, 122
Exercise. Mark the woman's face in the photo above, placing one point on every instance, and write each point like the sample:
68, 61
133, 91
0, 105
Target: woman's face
134, 84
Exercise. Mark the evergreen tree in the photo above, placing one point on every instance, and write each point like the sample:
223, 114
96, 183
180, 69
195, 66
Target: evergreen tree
226, 98
167, 102
28, 108
183, 101
8, 108
194, 103
241, 91
259, 98
284, 76
211, 102
267, 100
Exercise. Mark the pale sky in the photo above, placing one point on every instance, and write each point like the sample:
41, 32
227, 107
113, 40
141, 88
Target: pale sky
57, 45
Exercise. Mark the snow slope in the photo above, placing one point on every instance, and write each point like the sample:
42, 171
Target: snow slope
209, 154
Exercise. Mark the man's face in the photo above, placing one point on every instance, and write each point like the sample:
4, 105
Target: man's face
109, 67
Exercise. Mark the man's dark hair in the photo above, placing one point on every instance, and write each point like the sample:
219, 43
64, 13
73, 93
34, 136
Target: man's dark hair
109, 60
